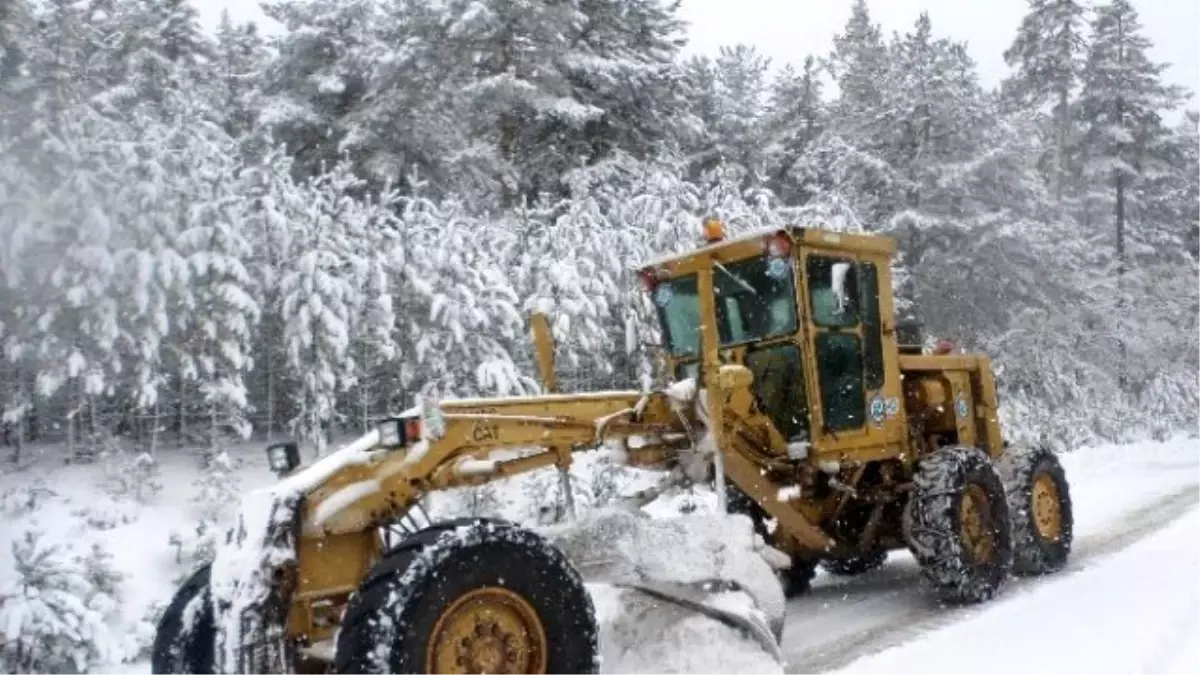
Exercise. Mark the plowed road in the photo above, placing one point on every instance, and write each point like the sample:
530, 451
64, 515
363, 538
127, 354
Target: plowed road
1120, 498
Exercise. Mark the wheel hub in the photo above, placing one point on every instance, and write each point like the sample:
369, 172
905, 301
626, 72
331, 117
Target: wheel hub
974, 515
488, 630
1047, 508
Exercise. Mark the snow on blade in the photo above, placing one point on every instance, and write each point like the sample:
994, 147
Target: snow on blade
341, 499
707, 559
356, 452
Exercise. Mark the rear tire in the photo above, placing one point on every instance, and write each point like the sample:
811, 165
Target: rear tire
183, 642
482, 595
1039, 499
958, 524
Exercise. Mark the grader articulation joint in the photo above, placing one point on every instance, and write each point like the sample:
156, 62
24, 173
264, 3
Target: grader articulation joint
795, 392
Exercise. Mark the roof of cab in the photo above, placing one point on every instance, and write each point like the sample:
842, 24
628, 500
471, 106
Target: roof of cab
813, 237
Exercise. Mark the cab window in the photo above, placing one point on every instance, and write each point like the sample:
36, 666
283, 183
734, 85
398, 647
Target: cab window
755, 299
833, 291
678, 305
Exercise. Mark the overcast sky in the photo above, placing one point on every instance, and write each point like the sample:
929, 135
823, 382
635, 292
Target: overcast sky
787, 30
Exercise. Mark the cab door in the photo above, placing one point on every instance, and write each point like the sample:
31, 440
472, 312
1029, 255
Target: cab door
842, 298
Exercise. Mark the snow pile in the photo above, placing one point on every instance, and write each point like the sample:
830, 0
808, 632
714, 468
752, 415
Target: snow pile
712, 560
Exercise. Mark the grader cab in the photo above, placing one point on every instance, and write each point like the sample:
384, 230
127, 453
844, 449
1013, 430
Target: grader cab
794, 394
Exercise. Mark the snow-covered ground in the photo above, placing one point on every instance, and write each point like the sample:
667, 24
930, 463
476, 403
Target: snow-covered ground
1135, 611
1128, 593
1131, 587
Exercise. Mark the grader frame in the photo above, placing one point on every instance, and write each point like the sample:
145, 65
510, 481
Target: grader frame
840, 475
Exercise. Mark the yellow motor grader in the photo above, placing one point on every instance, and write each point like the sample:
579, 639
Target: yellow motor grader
794, 392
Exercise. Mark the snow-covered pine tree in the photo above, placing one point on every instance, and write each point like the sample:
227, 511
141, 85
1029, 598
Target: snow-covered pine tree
215, 244
271, 199
460, 309
371, 232
795, 118
1047, 56
236, 75
562, 266
319, 301
934, 113
318, 76
732, 90
625, 65
153, 51
56, 609
72, 280
859, 66
16, 36
512, 58
1126, 142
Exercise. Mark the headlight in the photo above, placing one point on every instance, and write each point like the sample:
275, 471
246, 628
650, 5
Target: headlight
397, 432
283, 457
391, 433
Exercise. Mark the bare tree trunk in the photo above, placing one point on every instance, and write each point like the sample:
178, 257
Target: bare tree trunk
1123, 377
212, 435
72, 413
364, 393
154, 429
270, 392
182, 409
20, 443
1060, 142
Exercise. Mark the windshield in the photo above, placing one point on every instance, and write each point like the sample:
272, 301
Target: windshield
679, 313
755, 299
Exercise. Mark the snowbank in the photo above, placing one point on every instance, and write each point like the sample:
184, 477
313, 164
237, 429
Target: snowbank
707, 558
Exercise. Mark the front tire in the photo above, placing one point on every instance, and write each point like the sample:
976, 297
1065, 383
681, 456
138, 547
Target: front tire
1039, 499
958, 524
183, 642
476, 596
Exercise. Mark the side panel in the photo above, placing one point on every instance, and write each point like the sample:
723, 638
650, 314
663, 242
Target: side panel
957, 393
330, 569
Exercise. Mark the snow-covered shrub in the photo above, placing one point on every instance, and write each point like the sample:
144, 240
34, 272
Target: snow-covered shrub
218, 488
1170, 403
135, 476
195, 546
140, 638
56, 608
218, 492
24, 499
106, 516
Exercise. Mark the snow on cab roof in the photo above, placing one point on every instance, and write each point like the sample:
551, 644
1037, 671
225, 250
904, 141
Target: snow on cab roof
673, 257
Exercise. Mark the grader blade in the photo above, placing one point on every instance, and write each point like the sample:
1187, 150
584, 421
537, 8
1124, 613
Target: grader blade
709, 564
722, 600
